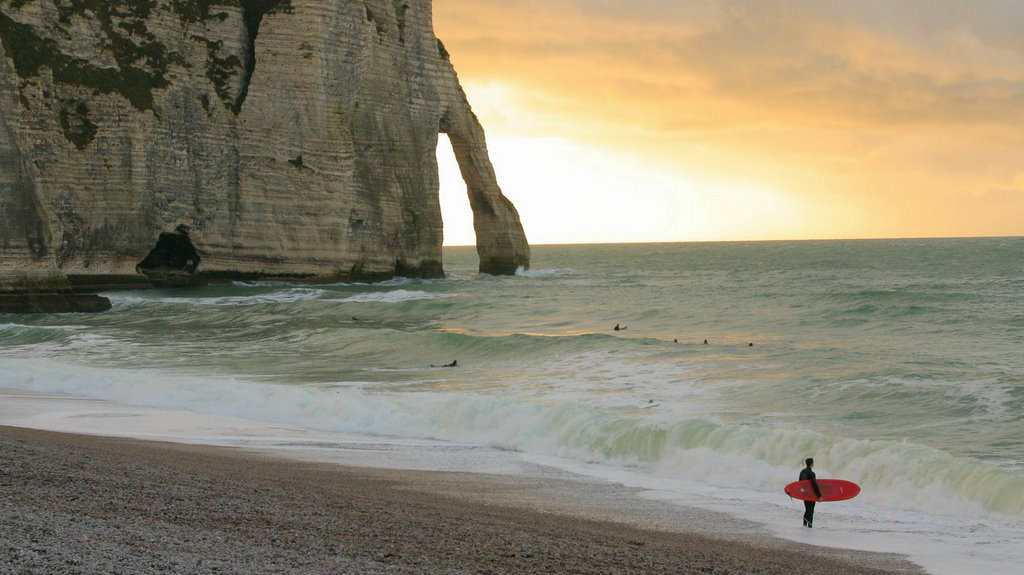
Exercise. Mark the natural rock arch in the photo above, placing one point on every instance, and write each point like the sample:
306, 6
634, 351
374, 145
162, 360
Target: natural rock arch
500, 239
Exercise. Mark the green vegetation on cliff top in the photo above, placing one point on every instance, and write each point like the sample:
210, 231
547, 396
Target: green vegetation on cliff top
142, 60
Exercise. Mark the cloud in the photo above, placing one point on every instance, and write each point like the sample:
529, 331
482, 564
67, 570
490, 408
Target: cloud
870, 100
844, 61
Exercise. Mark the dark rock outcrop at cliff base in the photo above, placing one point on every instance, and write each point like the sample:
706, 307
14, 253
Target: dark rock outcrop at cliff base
53, 303
294, 138
173, 261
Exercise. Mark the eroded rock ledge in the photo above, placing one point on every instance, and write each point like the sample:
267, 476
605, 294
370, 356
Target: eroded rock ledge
52, 303
293, 139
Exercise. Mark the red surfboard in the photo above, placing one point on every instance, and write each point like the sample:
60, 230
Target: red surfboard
831, 490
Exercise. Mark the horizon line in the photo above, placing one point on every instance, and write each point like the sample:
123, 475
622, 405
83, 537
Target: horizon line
759, 241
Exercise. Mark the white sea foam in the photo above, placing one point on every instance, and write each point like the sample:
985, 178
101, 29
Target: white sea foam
393, 282
994, 396
12, 326
397, 296
264, 284
71, 414
121, 301
542, 273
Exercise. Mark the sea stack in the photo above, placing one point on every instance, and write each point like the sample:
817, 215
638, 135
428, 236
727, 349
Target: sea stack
272, 138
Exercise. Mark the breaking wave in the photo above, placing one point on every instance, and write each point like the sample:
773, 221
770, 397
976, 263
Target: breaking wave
896, 474
397, 296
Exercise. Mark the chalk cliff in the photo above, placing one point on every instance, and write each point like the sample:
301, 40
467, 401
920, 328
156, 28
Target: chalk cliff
280, 138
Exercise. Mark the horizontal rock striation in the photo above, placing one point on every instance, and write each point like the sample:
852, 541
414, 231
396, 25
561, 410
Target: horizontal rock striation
291, 138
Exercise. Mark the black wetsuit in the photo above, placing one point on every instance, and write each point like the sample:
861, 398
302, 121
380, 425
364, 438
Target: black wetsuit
807, 474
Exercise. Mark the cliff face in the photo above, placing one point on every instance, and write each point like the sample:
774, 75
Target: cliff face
285, 138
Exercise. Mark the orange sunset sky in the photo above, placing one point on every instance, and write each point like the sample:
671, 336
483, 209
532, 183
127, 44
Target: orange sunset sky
678, 120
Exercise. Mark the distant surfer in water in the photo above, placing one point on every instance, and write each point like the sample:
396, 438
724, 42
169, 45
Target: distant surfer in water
807, 475
452, 364
620, 328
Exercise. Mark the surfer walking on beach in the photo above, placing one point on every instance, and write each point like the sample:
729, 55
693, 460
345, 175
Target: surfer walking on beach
808, 475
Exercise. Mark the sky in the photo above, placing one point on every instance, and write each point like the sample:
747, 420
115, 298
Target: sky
692, 120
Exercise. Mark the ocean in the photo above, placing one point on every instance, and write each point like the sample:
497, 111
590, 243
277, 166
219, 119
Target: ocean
896, 364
